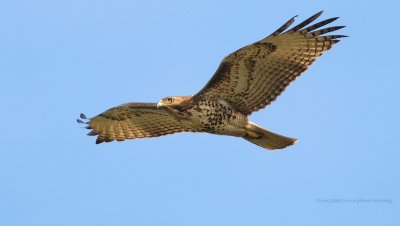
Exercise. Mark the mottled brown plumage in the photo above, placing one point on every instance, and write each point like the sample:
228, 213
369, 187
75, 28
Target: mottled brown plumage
133, 120
247, 80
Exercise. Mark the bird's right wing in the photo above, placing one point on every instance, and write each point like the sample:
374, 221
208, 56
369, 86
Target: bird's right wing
132, 120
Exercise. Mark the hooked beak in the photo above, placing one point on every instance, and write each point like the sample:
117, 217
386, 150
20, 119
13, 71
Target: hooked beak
160, 104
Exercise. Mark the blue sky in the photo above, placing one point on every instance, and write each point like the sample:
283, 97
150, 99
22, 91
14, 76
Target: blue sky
61, 58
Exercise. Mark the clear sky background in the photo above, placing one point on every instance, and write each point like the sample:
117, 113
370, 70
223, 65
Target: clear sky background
61, 58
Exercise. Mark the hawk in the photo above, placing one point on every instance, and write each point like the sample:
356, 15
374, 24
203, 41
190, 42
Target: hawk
246, 81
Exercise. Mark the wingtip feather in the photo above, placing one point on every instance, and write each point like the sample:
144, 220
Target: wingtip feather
305, 22
82, 116
284, 26
318, 25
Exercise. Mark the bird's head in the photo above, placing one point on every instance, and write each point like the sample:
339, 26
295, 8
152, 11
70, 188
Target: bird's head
173, 102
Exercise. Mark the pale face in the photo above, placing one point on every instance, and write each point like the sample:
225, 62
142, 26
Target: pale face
172, 101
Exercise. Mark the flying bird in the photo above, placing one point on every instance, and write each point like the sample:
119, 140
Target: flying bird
246, 81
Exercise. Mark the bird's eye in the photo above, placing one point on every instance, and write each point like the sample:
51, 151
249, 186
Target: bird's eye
170, 100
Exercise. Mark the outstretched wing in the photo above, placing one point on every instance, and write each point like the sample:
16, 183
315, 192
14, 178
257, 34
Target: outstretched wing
130, 121
255, 75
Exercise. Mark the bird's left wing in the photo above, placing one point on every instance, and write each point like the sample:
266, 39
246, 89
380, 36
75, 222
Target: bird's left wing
253, 76
132, 120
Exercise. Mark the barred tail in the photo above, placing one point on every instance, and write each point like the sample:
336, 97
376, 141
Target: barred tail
265, 138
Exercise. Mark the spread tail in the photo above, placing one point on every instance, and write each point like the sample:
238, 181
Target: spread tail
265, 138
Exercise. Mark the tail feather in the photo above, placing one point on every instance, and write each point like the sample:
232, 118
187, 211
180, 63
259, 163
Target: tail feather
267, 139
